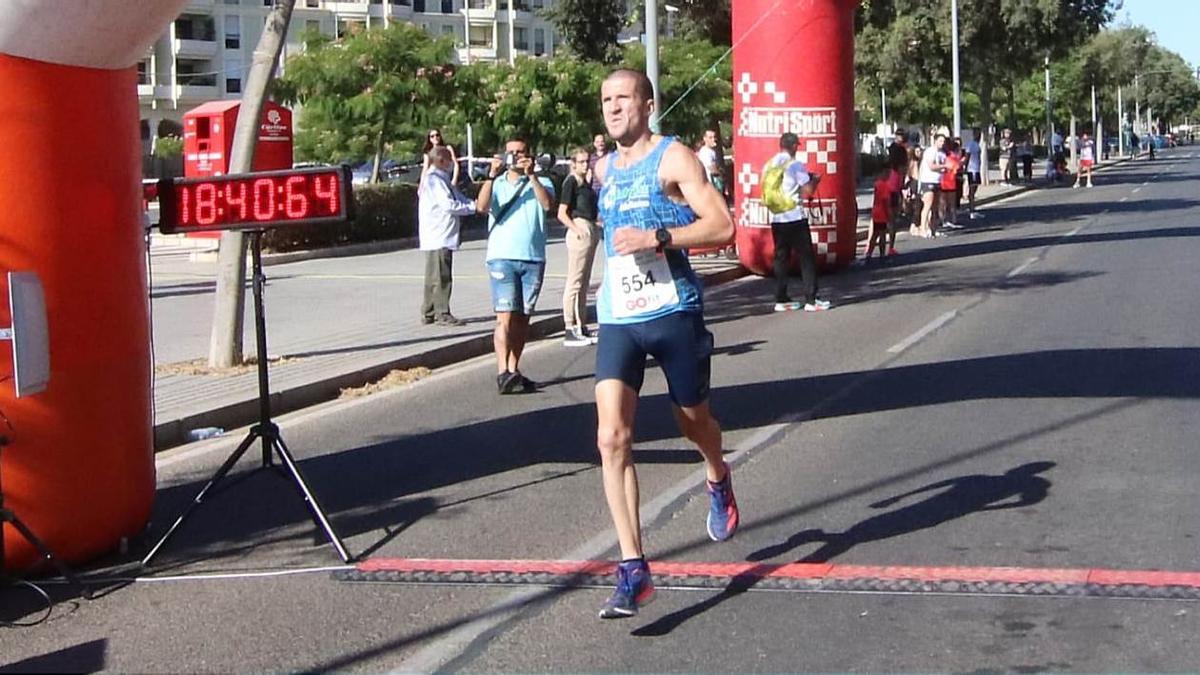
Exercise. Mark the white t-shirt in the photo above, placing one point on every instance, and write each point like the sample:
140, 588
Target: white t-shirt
1087, 150
795, 176
974, 155
930, 157
708, 158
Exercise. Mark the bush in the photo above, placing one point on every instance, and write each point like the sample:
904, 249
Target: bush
167, 147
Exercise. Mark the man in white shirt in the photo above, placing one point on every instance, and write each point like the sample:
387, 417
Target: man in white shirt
709, 156
790, 231
440, 205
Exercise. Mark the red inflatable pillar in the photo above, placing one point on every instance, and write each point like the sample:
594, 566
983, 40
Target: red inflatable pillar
80, 468
793, 70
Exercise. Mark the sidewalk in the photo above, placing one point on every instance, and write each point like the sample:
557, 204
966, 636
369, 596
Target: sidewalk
338, 322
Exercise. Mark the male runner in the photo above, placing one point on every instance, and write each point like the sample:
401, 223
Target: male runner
655, 202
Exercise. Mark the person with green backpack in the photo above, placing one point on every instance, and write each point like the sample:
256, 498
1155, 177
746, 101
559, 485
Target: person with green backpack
786, 183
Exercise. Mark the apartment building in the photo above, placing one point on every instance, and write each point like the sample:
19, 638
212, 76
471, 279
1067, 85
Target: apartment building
206, 53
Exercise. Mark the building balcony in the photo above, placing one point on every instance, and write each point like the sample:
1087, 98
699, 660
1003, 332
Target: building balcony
481, 14
195, 49
201, 6
197, 92
477, 54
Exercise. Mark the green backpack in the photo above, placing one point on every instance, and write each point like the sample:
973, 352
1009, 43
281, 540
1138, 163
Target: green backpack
773, 196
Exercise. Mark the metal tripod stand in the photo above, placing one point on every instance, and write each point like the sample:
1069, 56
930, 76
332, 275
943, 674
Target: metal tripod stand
266, 430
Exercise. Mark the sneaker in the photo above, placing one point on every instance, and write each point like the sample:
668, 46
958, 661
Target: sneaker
722, 508
426, 320
592, 337
892, 251
977, 216
787, 306
1090, 184
576, 338
1075, 185
504, 382
634, 589
449, 320
817, 306
524, 384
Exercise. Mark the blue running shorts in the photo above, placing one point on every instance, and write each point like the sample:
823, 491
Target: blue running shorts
679, 342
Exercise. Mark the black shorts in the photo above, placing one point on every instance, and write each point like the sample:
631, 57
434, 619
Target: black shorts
678, 341
973, 178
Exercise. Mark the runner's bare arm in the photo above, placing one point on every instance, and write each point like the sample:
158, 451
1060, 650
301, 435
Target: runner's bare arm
683, 177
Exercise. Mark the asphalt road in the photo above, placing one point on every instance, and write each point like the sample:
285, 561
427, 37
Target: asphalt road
1036, 374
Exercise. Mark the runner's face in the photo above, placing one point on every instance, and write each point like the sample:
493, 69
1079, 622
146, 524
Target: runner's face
626, 114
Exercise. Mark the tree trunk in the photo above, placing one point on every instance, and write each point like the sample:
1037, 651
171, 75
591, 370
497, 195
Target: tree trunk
1012, 106
379, 143
225, 345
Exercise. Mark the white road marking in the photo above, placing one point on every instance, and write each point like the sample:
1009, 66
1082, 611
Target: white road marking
1125, 198
1022, 267
1137, 189
925, 330
1074, 232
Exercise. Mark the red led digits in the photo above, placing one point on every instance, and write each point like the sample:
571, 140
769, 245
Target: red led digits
264, 199
296, 202
206, 203
238, 200
330, 194
256, 200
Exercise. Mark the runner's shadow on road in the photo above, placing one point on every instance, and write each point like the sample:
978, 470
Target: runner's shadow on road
954, 498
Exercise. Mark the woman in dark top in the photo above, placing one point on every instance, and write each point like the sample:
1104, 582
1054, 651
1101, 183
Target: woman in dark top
577, 212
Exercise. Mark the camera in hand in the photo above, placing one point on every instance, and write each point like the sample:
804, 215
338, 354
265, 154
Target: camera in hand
542, 162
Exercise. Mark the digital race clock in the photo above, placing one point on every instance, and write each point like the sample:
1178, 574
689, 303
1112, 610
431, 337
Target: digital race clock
253, 201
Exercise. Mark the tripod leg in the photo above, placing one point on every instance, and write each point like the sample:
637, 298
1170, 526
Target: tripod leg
310, 499
233, 458
48, 555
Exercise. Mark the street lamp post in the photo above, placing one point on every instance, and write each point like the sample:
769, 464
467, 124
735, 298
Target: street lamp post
1049, 119
954, 67
652, 58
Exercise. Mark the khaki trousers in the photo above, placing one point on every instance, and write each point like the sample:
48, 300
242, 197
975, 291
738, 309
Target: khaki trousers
581, 251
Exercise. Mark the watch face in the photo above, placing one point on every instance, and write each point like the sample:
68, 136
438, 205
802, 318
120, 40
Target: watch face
662, 235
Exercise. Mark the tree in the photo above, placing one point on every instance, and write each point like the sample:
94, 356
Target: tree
374, 91
709, 20
695, 85
554, 104
589, 28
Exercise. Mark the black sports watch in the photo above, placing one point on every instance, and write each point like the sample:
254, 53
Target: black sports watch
663, 236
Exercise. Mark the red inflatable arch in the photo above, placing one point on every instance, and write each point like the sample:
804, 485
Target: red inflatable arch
793, 70
80, 468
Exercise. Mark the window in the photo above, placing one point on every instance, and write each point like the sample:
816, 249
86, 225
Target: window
196, 74
479, 4
312, 4
143, 72
268, 3
449, 30
418, 5
481, 36
233, 32
194, 28
233, 85
521, 35
312, 25
233, 2
447, 6
539, 41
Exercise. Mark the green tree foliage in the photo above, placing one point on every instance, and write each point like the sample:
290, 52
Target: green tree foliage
371, 93
589, 28
709, 20
552, 103
907, 43
695, 85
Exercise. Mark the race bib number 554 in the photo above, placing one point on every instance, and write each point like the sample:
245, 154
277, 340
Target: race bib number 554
640, 283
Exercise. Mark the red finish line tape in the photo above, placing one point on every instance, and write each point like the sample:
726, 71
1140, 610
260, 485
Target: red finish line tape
793, 576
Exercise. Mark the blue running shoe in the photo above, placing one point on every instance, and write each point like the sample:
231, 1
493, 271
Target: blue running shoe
634, 589
722, 508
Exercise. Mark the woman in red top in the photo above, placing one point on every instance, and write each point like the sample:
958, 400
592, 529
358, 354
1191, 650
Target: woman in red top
950, 185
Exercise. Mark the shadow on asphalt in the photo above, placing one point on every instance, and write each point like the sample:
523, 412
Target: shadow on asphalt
85, 657
954, 498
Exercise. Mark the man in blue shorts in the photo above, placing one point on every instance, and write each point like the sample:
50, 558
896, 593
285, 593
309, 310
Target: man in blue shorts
516, 203
655, 202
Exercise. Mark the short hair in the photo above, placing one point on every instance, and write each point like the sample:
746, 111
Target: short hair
788, 140
517, 139
581, 150
643, 86
440, 152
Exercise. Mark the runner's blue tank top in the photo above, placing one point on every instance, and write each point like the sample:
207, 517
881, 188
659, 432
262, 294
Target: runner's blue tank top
633, 197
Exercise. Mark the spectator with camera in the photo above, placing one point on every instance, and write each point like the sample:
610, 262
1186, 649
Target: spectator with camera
516, 202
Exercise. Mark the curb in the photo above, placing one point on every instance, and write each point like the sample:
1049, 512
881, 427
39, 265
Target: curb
171, 433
